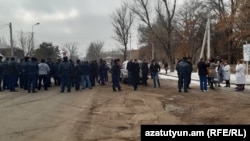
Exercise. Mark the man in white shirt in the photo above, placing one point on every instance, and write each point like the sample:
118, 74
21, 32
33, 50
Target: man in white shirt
43, 73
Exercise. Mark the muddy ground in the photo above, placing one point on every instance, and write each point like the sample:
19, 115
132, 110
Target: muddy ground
100, 114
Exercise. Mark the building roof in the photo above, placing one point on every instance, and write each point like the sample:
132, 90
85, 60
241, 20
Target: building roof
3, 46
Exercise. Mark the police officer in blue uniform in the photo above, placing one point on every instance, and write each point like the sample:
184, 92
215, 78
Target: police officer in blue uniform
135, 74
183, 71
78, 73
12, 68
102, 69
6, 74
116, 70
65, 71
93, 73
50, 64
144, 69
32, 72
23, 73
55, 72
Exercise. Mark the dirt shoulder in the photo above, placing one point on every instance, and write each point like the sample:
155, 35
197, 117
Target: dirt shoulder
100, 114
118, 116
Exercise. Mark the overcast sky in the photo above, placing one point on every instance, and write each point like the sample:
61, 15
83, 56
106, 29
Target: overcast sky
62, 21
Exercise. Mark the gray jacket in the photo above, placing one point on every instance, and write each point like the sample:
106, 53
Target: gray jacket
43, 69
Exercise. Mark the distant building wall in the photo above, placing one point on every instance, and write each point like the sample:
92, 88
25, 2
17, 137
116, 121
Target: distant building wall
6, 51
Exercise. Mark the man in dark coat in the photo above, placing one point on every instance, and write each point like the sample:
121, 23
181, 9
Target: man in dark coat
55, 72
50, 64
93, 73
65, 71
129, 69
72, 76
78, 73
202, 72
23, 73
6, 74
102, 72
190, 65
155, 69
12, 68
135, 74
144, 69
32, 71
183, 70
116, 70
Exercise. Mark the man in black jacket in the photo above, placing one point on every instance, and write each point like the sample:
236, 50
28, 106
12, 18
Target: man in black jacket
12, 69
135, 73
190, 65
116, 70
65, 70
144, 69
202, 72
32, 72
155, 69
78, 73
129, 69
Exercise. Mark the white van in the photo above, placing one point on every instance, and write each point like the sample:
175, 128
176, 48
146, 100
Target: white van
124, 71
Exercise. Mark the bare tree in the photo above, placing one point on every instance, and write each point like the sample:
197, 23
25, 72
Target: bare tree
122, 20
165, 16
72, 48
94, 51
25, 43
191, 21
227, 13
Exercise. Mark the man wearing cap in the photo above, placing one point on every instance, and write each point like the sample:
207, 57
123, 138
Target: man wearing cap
183, 72
23, 75
65, 69
32, 72
6, 74
12, 69
78, 73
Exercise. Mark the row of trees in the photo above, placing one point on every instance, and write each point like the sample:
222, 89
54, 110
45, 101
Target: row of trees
45, 49
71, 49
179, 32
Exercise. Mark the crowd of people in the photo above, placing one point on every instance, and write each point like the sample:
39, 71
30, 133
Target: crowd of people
146, 68
31, 74
211, 73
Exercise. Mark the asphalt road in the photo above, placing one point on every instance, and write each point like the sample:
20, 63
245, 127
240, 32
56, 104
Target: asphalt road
46, 115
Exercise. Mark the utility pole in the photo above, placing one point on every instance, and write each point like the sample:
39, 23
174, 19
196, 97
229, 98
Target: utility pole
153, 51
11, 41
130, 54
32, 35
206, 36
